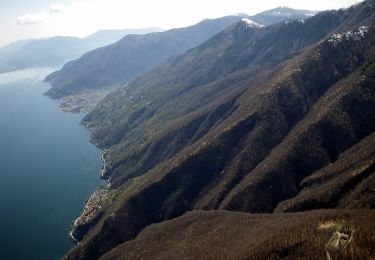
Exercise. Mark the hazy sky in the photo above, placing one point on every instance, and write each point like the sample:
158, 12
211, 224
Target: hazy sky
22, 19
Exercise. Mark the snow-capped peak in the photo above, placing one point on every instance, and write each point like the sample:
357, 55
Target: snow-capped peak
350, 35
251, 23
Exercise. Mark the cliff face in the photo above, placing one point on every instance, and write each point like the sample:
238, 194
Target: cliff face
260, 120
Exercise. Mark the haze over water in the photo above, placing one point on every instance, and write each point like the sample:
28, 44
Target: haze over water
48, 169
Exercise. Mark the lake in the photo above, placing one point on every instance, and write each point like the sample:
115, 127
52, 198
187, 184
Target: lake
48, 169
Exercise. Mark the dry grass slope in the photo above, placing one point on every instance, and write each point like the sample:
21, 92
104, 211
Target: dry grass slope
230, 235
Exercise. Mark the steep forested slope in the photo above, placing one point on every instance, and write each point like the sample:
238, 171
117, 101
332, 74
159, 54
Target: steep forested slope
251, 120
346, 183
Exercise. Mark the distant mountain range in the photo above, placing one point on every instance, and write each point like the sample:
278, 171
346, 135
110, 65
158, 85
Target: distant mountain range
123, 61
274, 121
55, 51
128, 58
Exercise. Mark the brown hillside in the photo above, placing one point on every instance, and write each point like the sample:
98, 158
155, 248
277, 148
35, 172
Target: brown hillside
230, 235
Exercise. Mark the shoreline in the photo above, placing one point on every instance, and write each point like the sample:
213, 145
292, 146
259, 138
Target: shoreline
72, 238
92, 209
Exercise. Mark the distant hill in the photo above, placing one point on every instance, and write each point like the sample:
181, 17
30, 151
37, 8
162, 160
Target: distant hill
106, 37
124, 61
57, 50
256, 119
12, 48
9, 50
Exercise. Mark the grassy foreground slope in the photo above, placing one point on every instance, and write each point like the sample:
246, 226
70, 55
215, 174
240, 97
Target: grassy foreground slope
234, 235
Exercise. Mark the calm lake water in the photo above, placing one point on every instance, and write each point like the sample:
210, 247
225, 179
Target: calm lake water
48, 169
